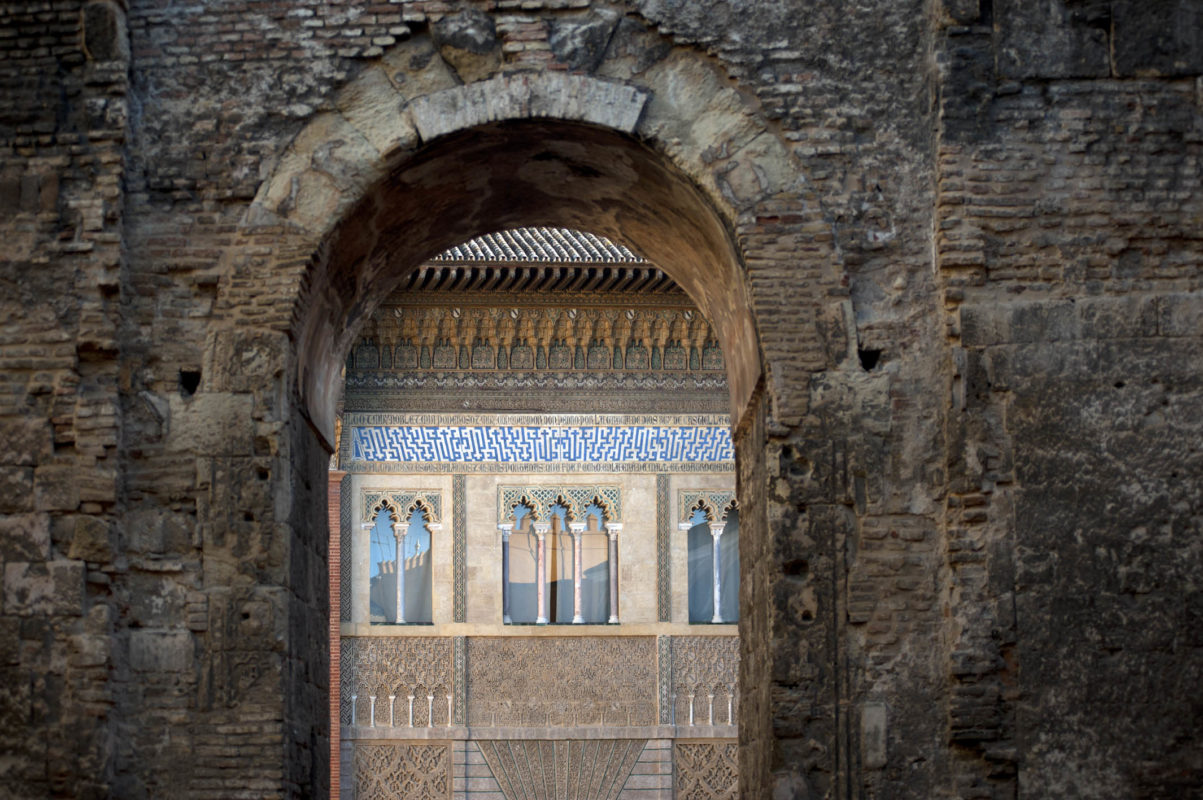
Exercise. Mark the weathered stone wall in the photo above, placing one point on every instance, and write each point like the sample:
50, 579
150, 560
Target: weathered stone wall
969, 236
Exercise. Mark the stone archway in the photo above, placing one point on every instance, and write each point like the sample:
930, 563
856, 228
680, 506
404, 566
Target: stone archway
677, 164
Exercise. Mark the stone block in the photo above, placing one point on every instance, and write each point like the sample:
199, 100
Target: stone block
1180, 315
416, 69
212, 424
873, 735
10, 638
373, 106
526, 96
16, 489
161, 651
468, 42
242, 361
1056, 39
1159, 38
53, 588
157, 531
25, 537
56, 488
27, 440
580, 42
89, 650
93, 540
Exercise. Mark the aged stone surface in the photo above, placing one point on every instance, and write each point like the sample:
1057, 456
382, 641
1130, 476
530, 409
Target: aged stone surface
951, 250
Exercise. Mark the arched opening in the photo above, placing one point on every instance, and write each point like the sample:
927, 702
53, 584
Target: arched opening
508, 175
520, 173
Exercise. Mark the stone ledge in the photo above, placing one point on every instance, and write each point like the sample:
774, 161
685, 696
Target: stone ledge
351, 733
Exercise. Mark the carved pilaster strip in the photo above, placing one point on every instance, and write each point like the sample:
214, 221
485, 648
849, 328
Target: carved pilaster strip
459, 545
664, 677
663, 570
460, 680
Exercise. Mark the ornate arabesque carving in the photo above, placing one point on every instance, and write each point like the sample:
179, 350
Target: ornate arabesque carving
716, 504
576, 498
706, 771
561, 684
402, 771
384, 666
401, 504
706, 667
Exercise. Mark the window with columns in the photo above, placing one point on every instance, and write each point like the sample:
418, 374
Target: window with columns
713, 541
400, 596
560, 569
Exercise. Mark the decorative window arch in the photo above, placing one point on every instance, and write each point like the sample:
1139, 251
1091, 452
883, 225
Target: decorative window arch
562, 564
710, 518
401, 522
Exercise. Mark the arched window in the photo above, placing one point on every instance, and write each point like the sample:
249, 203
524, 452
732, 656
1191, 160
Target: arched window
400, 596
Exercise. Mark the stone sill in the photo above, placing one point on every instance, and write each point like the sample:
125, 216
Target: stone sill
464, 732
350, 629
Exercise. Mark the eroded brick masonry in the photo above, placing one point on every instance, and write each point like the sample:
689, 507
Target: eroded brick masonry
952, 251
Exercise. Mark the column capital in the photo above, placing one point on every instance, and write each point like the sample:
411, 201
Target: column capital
542, 528
577, 528
716, 528
434, 526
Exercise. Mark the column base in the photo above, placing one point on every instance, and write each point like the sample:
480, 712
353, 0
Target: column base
578, 620
613, 620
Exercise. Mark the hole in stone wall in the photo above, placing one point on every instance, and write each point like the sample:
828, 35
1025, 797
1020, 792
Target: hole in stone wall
189, 382
797, 566
868, 358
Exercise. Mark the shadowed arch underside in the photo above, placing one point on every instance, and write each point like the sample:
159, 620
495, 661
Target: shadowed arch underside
510, 174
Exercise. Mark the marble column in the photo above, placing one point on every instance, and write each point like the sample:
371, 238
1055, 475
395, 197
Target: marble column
506, 530
541, 531
716, 531
578, 531
613, 529
399, 535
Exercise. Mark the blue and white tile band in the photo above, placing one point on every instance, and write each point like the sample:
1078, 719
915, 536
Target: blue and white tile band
536, 444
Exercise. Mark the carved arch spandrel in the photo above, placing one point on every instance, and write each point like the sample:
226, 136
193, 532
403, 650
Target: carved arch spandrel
715, 503
401, 504
575, 498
